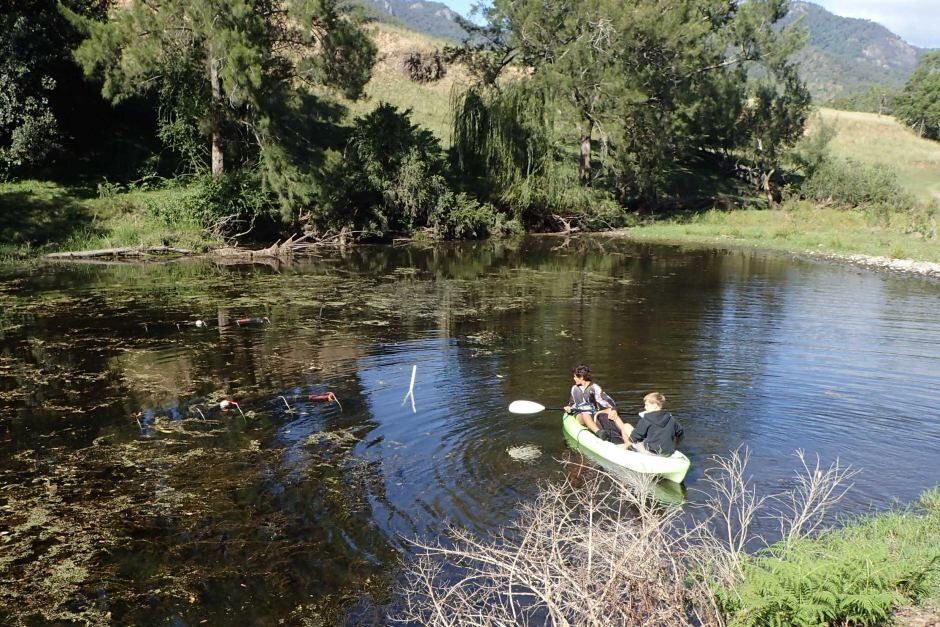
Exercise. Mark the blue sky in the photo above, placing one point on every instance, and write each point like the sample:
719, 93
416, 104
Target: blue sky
916, 21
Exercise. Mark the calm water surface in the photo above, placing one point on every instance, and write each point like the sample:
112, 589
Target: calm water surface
124, 489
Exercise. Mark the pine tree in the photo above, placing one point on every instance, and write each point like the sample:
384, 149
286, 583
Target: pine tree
239, 61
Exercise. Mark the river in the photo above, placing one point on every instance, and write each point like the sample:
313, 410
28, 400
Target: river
127, 494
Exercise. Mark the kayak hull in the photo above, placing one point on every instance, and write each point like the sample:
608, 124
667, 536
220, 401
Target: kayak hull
673, 467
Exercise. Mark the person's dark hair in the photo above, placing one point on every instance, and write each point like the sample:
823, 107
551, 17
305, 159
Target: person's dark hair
582, 371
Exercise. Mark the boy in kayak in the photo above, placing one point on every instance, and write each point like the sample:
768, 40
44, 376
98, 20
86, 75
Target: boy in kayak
657, 432
596, 410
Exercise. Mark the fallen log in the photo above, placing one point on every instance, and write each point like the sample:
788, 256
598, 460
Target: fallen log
126, 251
275, 251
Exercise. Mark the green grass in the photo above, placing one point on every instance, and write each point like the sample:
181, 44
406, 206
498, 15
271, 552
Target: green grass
429, 102
42, 216
880, 140
795, 227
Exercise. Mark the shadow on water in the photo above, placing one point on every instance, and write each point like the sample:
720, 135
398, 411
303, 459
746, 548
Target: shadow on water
130, 495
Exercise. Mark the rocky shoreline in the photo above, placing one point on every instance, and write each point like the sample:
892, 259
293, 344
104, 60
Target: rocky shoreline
906, 266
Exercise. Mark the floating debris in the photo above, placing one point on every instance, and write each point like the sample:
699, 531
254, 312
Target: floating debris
258, 320
524, 453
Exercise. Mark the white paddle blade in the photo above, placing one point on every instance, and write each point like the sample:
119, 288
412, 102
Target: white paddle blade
525, 407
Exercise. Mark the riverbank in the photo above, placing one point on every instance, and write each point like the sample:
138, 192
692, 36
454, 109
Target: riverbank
38, 217
798, 227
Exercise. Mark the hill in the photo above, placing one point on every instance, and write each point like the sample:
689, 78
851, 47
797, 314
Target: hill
429, 102
431, 18
845, 55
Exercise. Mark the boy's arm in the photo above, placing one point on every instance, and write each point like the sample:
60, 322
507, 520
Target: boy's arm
639, 433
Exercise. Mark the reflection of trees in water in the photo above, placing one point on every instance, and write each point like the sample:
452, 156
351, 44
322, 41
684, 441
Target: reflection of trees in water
160, 528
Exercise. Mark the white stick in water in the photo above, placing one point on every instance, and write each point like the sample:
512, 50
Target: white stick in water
411, 389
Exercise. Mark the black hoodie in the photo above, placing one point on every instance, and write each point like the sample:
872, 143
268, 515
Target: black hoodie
659, 431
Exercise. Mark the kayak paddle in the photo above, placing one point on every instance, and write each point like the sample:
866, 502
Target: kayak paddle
529, 407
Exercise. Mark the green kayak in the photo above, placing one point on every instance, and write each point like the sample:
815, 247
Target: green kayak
673, 467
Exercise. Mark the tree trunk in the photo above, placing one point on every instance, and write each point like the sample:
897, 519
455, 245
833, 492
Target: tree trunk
584, 165
218, 161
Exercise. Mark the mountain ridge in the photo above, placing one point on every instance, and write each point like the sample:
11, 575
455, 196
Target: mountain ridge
843, 55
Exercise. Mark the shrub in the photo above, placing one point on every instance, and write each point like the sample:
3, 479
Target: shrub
601, 550
389, 177
424, 67
460, 217
229, 205
850, 183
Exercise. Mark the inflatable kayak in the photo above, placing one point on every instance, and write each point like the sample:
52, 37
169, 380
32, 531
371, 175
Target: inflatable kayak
673, 467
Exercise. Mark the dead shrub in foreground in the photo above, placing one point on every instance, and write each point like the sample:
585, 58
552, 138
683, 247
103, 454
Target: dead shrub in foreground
603, 552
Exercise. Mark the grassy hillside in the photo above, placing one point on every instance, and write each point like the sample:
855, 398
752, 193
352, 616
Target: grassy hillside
880, 140
429, 102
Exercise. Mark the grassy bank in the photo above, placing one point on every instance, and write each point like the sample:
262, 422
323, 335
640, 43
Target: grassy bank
75, 217
862, 573
795, 226
907, 230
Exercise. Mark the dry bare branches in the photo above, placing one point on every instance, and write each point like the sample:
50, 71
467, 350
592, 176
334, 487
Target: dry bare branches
604, 552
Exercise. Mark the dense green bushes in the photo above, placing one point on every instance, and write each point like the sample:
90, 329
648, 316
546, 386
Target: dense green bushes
851, 183
394, 177
227, 205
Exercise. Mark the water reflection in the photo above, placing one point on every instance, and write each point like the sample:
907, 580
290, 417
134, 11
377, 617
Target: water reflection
110, 417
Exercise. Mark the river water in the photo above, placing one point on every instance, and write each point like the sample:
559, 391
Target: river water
128, 495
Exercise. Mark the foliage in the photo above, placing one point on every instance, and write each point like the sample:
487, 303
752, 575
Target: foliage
856, 575
232, 204
812, 150
501, 137
389, 176
458, 216
229, 71
392, 176
919, 103
36, 77
850, 183
876, 99
425, 67
659, 85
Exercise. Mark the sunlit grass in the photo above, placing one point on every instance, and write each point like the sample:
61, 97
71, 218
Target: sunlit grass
42, 216
880, 140
797, 227
429, 102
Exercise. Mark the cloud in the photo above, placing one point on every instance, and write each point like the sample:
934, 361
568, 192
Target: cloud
914, 20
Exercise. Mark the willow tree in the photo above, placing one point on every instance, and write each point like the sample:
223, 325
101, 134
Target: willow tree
570, 47
236, 61
658, 83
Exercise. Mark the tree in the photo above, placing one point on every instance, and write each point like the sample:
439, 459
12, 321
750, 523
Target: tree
660, 82
229, 68
919, 103
38, 86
